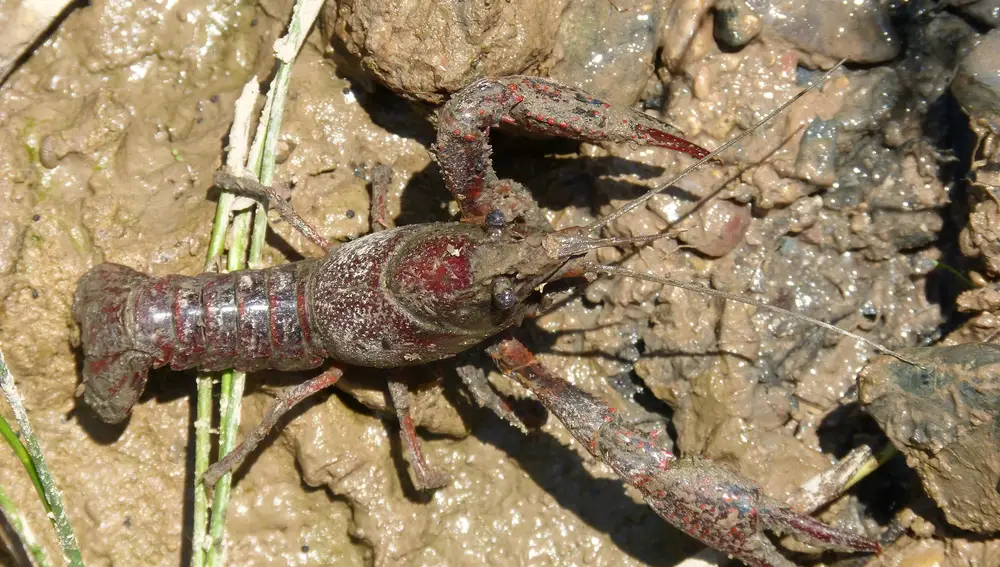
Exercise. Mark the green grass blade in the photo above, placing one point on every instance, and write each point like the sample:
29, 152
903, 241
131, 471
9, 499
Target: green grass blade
261, 162
57, 513
22, 455
23, 532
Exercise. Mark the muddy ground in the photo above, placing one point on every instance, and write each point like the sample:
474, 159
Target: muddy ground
844, 208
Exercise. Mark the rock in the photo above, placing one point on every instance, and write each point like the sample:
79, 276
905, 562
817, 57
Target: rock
817, 159
986, 11
943, 417
735, 23
609, 53
977, 80
859, 30
426, 49
717, 228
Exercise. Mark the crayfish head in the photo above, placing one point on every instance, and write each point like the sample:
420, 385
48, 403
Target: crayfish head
478, 280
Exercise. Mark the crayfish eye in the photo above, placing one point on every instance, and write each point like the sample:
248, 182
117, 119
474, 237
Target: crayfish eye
495, 220
503, 293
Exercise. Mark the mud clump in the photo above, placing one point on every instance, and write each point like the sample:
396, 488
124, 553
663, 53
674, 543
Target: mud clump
427, 49
860, 31
602, 50
944, 418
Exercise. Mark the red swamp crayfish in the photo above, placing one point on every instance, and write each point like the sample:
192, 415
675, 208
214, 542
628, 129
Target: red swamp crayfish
415, 294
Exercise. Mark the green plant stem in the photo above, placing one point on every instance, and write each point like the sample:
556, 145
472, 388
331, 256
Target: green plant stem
203, 417
57, 513
22, 455
872, 465
22, 531
261, 161
230, 403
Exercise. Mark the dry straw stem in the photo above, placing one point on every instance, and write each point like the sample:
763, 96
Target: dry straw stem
52, 497
246, 249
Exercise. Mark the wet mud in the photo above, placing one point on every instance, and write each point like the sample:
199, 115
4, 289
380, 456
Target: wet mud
851, 207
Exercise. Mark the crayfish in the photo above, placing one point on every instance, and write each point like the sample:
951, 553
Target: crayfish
415, 294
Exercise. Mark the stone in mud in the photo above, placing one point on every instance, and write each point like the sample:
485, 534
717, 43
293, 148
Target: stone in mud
858, 30
943, 417
735, 23
933, 53
717, 228
986, 11
427, 49
817, 159
977, 81
981, 236
606, 52
976, 86
870, 101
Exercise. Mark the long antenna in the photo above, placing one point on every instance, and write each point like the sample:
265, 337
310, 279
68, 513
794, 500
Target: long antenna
617, 271
597, 224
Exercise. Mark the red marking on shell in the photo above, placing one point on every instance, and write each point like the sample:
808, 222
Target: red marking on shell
97, 366
112, 308
178, 320
300, 305
272, 321
113, 390
439, 269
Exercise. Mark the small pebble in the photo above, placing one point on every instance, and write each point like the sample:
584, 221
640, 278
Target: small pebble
36, 218
350, 213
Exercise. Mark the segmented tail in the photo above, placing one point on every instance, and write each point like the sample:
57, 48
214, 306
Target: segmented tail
114, 371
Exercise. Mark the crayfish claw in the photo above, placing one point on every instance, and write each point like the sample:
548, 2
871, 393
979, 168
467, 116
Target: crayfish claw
810, 530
